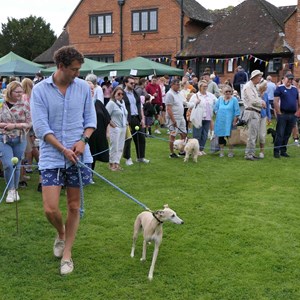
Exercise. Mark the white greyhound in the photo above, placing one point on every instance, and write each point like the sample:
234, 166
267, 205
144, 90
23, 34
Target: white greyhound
151, 223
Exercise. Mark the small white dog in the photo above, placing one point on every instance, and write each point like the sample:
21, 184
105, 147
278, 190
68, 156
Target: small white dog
189, 146
151, 223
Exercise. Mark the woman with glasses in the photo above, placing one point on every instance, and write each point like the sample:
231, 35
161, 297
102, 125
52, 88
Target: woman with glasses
203, 102
15, 122
118, 113
227, 111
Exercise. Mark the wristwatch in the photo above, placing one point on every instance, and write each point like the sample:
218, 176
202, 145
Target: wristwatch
84, 139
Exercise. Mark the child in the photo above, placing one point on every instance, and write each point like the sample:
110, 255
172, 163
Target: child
149, 113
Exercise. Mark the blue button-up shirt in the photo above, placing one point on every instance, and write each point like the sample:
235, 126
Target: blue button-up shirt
64, 116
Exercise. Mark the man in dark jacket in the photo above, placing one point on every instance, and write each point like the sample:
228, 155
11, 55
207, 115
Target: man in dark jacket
240, 77
136, 123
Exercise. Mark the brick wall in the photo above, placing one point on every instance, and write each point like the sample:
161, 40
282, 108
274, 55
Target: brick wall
297, 40
165, 42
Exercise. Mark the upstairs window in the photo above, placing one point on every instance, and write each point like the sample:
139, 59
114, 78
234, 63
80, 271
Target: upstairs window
144, 20
101, 24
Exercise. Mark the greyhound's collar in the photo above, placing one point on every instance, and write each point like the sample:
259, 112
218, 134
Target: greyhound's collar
159, 221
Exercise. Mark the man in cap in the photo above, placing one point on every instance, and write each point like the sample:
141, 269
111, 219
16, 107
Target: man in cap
253, 105
286, 102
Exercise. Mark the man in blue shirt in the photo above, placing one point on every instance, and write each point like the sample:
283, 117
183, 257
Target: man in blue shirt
64, 118
285, 105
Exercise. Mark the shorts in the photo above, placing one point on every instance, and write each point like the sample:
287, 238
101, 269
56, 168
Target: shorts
181, 126
148, 121
66, 177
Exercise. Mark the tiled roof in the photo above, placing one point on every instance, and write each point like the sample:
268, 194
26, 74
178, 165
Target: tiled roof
194, 10
47, 56
253, 27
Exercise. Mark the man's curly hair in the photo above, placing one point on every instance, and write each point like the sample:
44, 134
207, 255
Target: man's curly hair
66, 55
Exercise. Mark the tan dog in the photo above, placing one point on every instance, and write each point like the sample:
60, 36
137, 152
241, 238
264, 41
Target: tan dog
151, 224
189, 146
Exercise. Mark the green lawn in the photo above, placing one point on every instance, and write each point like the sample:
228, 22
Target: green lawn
240, 239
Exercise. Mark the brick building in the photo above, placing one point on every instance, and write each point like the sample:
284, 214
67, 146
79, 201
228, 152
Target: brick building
254, 34
116, 30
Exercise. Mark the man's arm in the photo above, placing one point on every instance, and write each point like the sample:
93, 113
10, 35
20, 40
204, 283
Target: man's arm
276, 105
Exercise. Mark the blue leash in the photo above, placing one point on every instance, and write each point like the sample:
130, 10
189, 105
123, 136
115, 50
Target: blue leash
112, 184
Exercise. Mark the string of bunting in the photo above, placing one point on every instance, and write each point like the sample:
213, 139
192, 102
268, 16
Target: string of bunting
221, 60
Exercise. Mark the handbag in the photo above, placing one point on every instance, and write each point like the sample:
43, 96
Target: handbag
197, 115
234, 138
214, 144
128, 133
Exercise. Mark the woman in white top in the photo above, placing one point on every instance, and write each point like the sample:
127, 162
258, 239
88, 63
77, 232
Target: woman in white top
206, 101
118, 113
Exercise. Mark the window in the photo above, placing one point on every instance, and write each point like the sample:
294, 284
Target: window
106, 58
101, 24
213, 65
144, 20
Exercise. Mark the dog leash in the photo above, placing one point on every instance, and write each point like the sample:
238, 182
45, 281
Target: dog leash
114, 186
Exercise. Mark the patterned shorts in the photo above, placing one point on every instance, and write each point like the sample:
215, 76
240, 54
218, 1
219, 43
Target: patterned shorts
67, 177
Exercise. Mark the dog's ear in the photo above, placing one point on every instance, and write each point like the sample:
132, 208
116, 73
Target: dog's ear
166, 206
159, 213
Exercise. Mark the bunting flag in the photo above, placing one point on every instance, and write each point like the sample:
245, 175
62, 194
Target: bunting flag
221, 60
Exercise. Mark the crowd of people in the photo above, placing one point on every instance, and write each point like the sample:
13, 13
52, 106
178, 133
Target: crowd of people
67, 124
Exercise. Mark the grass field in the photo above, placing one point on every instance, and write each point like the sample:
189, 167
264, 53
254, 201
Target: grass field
240, 240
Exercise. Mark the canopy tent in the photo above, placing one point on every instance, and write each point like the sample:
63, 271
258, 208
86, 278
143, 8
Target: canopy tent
138, 66
18, 68
11, 56
13, 64
87, 67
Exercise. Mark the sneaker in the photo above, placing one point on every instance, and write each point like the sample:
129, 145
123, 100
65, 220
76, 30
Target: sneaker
284, 154
28, 170
173, 155
129, 162
12, 196
250, 157
261, 155
230, 155
157, 131
296, 141
221, 154
276, 155
181, 153
143, 160
58, 247
66, 266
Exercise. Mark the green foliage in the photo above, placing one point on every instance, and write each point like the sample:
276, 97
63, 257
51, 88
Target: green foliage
240, 239
27, 37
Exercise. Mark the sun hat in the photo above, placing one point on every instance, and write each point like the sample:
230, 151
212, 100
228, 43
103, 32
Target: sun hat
256, 73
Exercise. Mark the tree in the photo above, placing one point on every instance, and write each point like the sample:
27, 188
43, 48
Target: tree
27, 37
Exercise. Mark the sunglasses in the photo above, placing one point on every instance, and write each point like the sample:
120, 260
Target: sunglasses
228, 92
119, 94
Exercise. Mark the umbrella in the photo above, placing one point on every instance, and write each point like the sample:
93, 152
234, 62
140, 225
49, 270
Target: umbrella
18, 68
87, 67
138, 66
